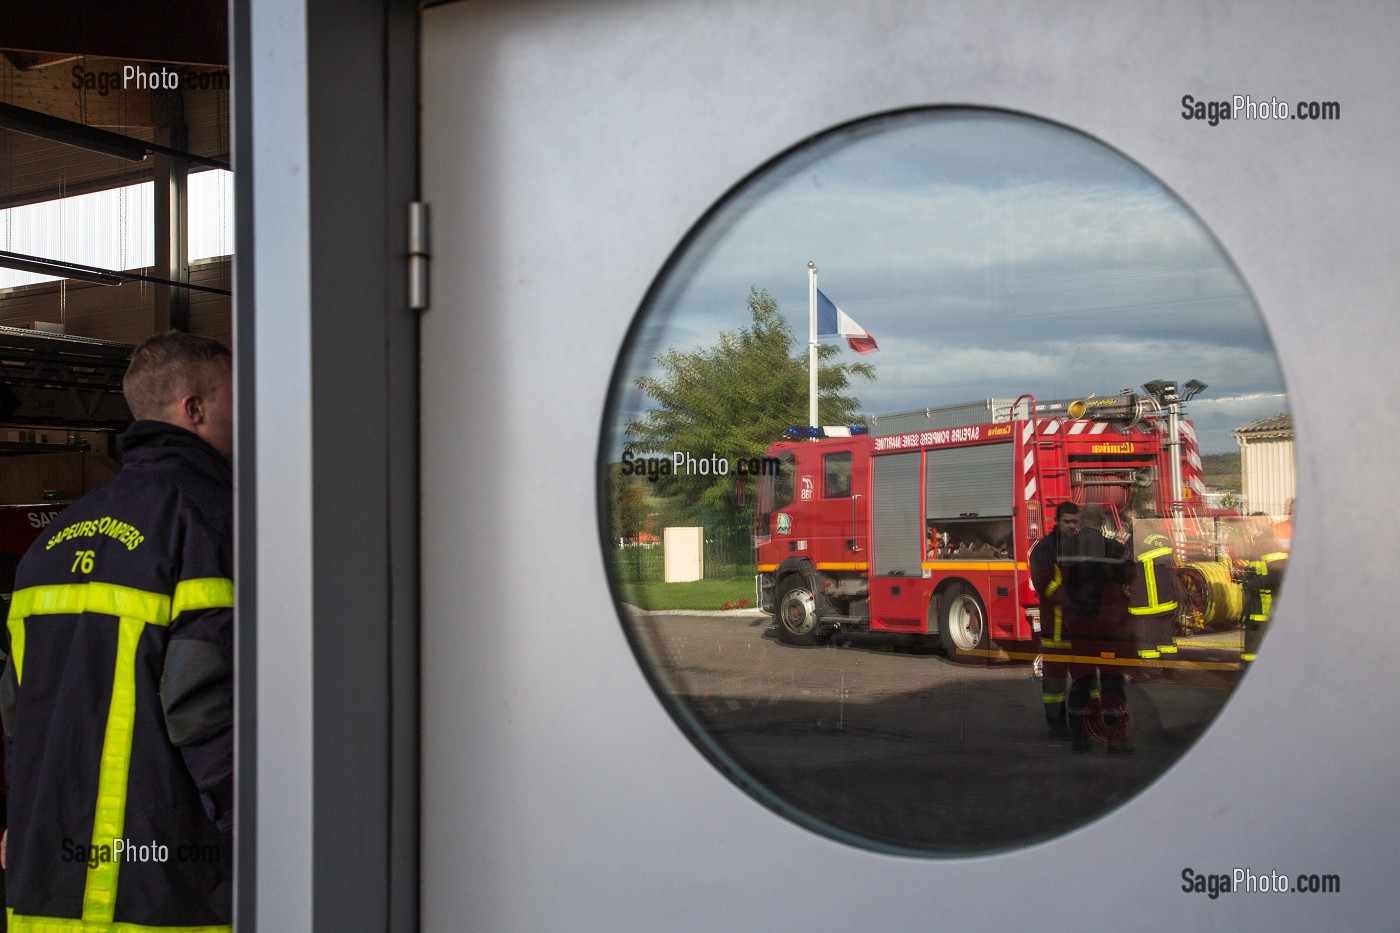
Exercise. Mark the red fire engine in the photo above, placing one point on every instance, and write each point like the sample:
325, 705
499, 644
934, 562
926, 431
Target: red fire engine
922, 524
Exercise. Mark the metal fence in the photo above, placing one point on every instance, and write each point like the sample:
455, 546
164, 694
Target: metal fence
728, 554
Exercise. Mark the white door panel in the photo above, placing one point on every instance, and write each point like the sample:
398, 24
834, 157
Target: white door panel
567, 149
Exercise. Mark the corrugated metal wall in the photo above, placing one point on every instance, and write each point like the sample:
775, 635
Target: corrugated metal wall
1269, 479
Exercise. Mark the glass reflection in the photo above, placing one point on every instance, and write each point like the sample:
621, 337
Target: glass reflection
1003, 609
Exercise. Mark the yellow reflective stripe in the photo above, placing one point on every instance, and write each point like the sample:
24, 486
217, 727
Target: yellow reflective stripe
203, 593
1276, 555
16, 627
1053, 697
109, 820
19, 923
1053, 643
106, 598
1152, 610
1149, 653
1004, 655
74, 598
1149, 577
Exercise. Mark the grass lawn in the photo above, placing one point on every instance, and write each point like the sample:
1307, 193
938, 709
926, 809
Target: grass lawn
705, 595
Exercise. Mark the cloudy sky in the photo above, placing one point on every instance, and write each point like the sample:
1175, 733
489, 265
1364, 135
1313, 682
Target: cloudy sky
989, 255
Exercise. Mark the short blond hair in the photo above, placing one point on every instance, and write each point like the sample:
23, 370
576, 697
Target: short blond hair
168, 366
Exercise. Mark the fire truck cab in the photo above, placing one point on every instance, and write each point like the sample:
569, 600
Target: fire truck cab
922, 524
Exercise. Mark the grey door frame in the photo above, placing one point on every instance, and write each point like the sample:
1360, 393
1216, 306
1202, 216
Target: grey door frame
326, 162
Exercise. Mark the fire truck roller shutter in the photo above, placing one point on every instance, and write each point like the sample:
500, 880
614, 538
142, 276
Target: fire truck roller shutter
970, 480
897, 534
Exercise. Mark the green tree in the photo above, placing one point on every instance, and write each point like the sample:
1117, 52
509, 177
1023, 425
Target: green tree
733, 399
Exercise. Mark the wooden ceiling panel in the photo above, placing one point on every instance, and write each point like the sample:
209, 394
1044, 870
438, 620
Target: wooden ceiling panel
74, 63
33, 169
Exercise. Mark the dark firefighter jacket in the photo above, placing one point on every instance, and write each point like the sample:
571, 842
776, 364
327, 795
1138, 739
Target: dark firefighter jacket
1152, 582
1079, 579
117, 700
1048, 581
1096, 570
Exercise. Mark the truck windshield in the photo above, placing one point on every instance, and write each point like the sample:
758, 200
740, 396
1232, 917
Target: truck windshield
775, 488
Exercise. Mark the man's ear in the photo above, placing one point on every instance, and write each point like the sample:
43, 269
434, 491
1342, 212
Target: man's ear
191, 408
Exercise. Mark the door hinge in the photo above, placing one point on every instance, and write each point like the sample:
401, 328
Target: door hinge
418, 255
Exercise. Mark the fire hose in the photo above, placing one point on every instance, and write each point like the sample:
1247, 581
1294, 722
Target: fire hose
1213, 598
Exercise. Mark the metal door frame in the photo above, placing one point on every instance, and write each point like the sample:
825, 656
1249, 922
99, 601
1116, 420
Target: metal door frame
326, 350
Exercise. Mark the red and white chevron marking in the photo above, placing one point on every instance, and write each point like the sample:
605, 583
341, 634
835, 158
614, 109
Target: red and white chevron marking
1192, 470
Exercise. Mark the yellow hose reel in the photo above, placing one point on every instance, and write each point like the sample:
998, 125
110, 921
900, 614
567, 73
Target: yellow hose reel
1213, 598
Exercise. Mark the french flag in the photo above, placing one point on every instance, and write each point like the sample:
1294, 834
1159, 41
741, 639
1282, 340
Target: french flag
833, 322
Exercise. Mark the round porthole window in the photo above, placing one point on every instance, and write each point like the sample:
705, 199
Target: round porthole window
946, 481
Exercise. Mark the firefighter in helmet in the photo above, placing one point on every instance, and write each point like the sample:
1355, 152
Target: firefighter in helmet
1154, 591
1048, 581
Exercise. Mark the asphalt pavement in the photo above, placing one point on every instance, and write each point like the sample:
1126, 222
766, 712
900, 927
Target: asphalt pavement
901, 747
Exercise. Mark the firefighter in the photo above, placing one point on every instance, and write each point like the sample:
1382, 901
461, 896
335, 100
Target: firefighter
1097, 605
1260, 588
1048, 580
117, 690
1154, 596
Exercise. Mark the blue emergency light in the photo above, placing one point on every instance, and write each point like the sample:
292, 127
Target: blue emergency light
809, 432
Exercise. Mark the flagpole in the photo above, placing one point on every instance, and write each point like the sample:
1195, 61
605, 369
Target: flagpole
812, 344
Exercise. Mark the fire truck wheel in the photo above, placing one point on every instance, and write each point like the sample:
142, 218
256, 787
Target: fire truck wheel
962, 622
797, 613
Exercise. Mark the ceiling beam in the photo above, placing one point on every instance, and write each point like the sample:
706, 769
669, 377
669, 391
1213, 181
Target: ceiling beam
24, 61
81, 136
